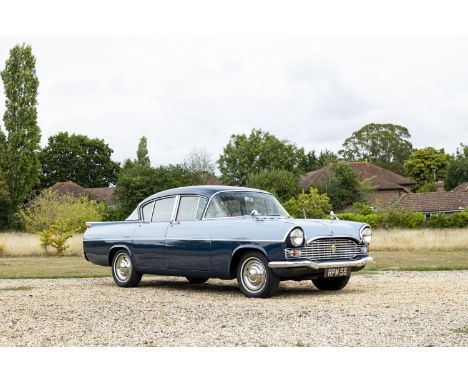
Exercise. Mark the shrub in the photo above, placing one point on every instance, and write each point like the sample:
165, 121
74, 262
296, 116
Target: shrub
68, 212
56, 218
55, 237
458, 219
313, 205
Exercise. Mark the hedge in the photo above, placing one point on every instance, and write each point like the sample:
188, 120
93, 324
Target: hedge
398, 219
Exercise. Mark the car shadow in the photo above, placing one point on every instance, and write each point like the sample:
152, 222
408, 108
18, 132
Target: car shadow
222, 289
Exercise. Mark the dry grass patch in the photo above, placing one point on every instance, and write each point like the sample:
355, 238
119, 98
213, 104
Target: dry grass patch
448, 239
21, 244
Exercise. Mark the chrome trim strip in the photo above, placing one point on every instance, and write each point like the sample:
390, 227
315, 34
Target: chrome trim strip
315, 265
186, 238
330, 237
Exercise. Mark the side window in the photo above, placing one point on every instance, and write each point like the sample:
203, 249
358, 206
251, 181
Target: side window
146, 211
163, 210
191, 208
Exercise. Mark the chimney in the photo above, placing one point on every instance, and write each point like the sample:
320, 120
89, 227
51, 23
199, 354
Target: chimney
439, 186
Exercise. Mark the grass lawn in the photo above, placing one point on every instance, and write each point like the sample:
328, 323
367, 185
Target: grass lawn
50, 268
419, 261
78, 267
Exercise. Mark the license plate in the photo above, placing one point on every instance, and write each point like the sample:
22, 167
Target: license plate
337, 272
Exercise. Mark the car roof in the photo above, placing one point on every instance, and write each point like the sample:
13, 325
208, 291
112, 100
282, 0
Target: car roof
206, 191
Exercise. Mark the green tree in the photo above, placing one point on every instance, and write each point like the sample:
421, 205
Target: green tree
283, 184
20, 146
138, 180
307, 161
83, 160
426, 166
342, 186
259, 151
143, 159
386, 145
312, 204
457, 168
4, 201
325, 157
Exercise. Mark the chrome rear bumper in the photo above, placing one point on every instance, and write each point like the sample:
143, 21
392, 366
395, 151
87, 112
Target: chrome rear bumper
321, 265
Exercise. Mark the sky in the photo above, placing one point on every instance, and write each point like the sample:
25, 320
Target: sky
194, 92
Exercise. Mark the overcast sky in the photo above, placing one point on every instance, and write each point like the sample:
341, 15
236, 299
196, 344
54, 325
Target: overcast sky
186, 92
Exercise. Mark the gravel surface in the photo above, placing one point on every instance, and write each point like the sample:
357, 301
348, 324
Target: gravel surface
383, 309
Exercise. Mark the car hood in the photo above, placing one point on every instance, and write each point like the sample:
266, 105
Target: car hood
314, 228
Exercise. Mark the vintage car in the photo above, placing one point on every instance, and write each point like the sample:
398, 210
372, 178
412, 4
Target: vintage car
203, 232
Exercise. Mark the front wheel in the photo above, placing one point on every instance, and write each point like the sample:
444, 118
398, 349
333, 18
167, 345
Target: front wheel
333, 283
254, 277
123, 270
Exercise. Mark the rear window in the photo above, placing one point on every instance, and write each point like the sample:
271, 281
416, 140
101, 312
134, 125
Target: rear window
191, 208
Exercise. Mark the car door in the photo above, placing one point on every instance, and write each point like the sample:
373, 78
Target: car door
188, 238
149, 236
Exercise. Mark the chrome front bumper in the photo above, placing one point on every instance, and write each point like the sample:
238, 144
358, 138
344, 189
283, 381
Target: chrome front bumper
316, 265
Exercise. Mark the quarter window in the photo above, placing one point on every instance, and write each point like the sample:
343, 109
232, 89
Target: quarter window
191, 208
146, 211
163, 210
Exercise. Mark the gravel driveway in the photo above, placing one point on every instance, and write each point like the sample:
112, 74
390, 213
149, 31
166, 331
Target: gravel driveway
384, 309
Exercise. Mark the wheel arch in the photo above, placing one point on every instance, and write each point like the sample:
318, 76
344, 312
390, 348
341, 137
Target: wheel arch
114, 249
237, 254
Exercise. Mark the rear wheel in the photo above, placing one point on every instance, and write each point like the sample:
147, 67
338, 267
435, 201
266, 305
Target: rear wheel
197, 280
254, 277
123, 270
333, 283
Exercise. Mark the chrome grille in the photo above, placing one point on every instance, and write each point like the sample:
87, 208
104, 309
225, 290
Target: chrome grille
327, 249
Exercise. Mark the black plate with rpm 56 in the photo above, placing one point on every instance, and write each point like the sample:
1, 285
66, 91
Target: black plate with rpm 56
337, 272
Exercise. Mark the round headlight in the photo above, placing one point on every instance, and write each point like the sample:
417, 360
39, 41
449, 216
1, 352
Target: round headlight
296, 237
366, 235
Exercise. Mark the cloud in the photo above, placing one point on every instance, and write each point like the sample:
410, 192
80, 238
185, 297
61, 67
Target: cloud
195, 92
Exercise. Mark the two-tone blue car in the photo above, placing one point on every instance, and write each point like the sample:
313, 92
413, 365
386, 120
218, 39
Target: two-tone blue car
203, 232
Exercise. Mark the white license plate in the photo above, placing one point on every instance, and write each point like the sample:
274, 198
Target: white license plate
337, 272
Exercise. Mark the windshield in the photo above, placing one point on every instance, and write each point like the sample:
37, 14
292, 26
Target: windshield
241, 203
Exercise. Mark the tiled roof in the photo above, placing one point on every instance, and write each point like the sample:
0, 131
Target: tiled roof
442, 201
104, 194
380, 178
461, 188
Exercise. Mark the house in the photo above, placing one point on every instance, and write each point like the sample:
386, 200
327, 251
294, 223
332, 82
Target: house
388, 186
461, 188
435, 202
103, 194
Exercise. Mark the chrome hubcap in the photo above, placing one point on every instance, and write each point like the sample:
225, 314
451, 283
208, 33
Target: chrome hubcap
123, 267
253, 274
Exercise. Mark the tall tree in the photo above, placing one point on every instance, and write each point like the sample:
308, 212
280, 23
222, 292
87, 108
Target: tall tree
457, 169
83, 160
138, 180
5, 201
259, 151
426, 166
342, 186
283, 184
386, 145
325, 157
20, 146
143, 159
